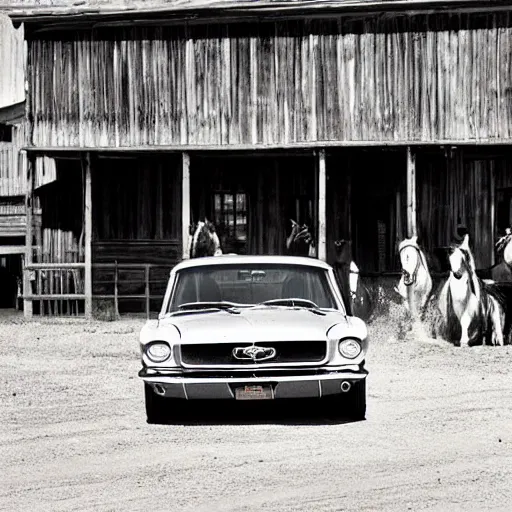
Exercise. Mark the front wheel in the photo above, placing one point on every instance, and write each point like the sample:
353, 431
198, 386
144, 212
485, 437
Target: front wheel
356, 401
349, 405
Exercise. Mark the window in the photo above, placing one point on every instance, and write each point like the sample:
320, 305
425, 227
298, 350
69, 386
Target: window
231, 215
251, 284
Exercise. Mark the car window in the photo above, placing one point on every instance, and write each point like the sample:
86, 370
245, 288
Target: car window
251, 284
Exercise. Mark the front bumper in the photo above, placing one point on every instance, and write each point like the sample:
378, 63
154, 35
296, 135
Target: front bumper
314, 385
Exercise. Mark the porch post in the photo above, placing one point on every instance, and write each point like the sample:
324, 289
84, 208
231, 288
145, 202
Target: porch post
88, 238
492, 215
411, 193
29, 208
322, 216
185, 204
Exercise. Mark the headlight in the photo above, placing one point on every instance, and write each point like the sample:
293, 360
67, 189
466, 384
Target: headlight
158, 352
349, 348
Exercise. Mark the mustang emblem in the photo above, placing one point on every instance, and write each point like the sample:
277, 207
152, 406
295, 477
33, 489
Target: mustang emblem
255, 353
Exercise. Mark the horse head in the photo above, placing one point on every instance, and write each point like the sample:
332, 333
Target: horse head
343, 251
205, 241
460, 259
462, 264
504, 246
410, 259
415, 285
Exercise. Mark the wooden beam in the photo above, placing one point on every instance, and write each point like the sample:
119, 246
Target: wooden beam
12, 249
120, 15
492, 200
29, 208
322, 216
203, 148
350, 202
411, 193
88, 237
185, 204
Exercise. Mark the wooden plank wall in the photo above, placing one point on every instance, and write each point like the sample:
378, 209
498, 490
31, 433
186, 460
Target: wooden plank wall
12, 218
397, 78
366, 193
61, 202
12, 57
13, 179
273, 184
137, 198
13, 165
136, 219
457, 186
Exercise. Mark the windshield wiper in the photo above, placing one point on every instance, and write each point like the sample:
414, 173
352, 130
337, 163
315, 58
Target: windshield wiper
299, 303
230, 307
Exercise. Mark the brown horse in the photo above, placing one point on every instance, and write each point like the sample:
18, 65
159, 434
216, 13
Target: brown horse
355, 294
203, 240
300, 242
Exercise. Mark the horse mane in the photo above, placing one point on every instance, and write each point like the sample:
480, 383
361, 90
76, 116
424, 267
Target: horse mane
476, 283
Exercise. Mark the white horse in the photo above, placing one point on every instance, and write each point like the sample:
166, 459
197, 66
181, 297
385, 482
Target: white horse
479, 314
415, 285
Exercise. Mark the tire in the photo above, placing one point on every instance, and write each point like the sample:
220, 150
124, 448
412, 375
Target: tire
355, 401
157, 407
350, 405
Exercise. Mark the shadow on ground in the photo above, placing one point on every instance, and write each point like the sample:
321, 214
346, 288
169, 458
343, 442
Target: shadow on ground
279, 412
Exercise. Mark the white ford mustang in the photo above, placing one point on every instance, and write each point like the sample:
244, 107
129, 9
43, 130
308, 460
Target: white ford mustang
253, 328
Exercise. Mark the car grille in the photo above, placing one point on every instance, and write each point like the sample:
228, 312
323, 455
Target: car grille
290, 352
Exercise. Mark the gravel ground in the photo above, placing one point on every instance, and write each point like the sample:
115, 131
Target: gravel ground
438, 434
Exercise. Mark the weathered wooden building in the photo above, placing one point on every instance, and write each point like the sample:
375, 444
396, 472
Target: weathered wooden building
12, 176
370, 120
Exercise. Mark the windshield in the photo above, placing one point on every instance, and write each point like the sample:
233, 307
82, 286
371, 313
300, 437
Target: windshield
251, 284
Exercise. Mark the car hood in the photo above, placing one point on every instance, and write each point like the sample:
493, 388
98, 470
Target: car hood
254, 324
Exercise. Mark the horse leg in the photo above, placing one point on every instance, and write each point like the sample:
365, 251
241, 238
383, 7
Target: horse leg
465, 321
402, 291
496, 314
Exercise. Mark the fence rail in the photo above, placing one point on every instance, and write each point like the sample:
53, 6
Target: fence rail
58, 288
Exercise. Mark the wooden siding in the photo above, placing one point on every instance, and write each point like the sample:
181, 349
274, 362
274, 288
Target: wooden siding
460, 186
136, 220
12, 59
383, 79
60, 235
366, 200
278, 188
13, 179
12, 218
137, 199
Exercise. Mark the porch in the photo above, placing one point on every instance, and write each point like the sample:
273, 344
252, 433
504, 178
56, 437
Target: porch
115, 223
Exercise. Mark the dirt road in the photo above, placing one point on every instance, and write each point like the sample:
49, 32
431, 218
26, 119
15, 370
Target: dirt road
438, 434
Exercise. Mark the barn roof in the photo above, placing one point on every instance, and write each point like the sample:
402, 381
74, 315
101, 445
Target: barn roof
72, 10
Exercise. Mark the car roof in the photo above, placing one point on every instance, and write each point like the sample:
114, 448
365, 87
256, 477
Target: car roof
233, 259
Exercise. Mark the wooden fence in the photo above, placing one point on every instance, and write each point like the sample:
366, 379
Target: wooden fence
57, 289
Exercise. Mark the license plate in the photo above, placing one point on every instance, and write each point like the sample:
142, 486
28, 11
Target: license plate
254, 393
